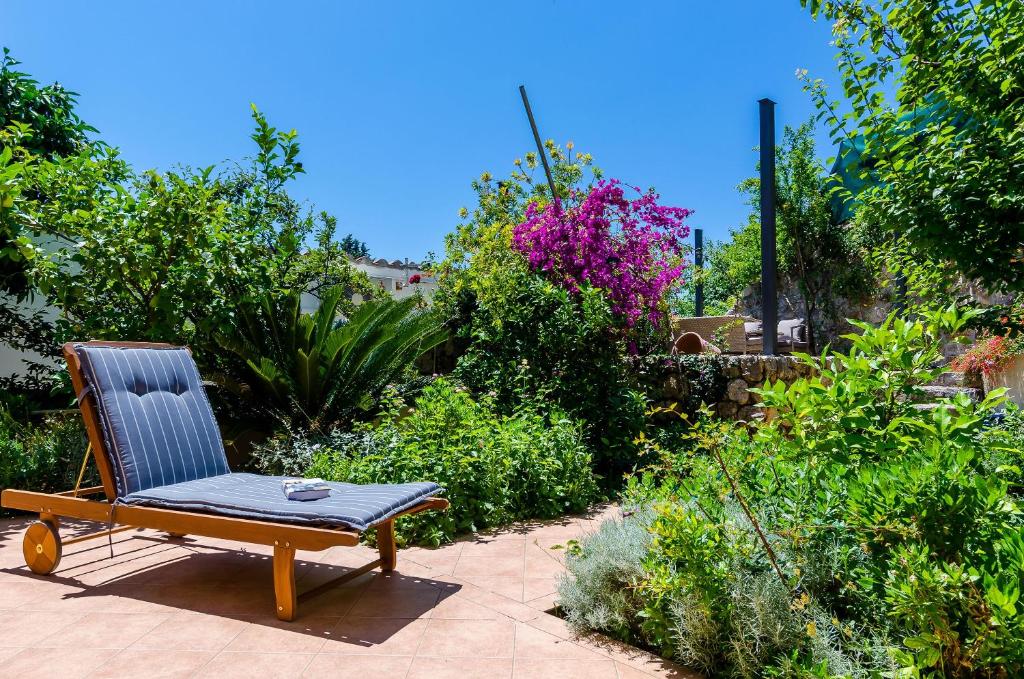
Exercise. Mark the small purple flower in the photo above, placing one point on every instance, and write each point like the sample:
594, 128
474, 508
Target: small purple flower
631, 249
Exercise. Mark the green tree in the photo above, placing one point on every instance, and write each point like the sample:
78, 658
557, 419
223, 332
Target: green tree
931, 129
37, 124
170, 256
815, 251
354, 247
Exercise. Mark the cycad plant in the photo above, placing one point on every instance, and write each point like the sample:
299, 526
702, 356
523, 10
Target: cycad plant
316, 369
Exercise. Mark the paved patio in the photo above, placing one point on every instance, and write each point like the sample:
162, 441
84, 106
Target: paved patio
203, 607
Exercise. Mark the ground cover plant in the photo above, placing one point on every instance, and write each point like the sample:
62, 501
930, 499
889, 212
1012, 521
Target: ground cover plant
495, 468
43, 455
852, 534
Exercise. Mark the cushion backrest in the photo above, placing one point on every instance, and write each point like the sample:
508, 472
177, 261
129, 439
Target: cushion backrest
157, 423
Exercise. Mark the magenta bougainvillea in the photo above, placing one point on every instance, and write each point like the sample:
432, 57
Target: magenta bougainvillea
630, 249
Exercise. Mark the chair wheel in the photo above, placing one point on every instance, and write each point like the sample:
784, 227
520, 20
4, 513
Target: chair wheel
42, 547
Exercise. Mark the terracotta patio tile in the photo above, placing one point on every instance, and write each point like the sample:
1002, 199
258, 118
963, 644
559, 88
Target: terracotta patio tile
557, 668
456, 607
490, 566
496, 549
628, 672
334, 602
468, 639
375, 636
402, 602
103, 630
401, 579
307, 634
537, 587
441, 562
58, 663
334, 665
460, 668
553, 625
20, 591
317, 574
533, 644
510, 587
192, 632
542, 563
264, 665
507, 606
350, 557
632, 656
24, 628
139, 664
543, 603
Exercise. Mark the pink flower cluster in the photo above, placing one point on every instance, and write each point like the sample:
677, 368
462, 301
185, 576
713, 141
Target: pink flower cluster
630, 249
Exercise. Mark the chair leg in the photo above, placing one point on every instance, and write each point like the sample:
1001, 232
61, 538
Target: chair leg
386, 545
284, 581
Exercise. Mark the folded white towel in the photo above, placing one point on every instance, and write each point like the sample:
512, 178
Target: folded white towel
305, 489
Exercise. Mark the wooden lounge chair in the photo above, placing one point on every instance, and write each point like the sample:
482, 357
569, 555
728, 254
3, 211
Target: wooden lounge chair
162, 465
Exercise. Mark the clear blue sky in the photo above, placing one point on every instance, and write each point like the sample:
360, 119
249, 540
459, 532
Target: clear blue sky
399, 105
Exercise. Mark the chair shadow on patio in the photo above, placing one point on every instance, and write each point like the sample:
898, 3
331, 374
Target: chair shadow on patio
151, 573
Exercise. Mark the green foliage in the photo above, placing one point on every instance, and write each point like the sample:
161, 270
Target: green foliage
163, 256
354, 247
850, 534
598, 589
494, 468
527, 340
49, 110
931, 125
43, 457
819, 254
314, 370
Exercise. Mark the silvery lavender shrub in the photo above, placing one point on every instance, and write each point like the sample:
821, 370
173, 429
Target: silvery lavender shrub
597, 593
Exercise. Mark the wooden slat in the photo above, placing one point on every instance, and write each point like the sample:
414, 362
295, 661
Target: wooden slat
90, 415
101, 534
334, 582
438, 503
92, 490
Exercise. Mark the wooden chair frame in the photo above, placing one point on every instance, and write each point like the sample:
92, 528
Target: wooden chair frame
42, 544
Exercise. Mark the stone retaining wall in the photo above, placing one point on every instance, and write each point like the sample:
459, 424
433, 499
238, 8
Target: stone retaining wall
730, 388
746, 372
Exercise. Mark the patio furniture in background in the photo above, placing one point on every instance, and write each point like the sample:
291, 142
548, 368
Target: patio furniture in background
791, 336
162, 463
708, 326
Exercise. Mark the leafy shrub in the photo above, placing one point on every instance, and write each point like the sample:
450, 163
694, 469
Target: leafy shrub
45, 457
537, 337
314, 369
494, 468
542, 346
850, 534
598, 590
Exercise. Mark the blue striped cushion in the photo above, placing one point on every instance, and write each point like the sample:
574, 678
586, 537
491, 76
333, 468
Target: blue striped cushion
156, 420
252, 496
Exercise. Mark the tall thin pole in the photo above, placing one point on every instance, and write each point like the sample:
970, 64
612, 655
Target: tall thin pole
769, 299
540, 146
698, 260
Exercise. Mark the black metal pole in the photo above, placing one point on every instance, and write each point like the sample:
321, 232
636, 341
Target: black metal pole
540, 146
769, 299
698, 261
